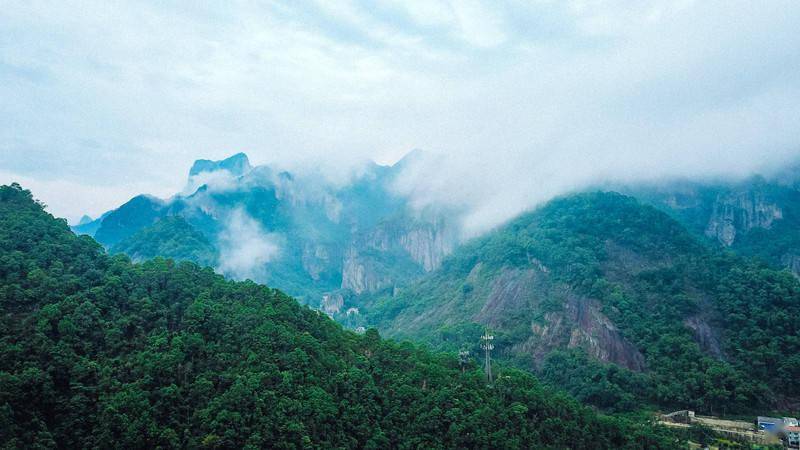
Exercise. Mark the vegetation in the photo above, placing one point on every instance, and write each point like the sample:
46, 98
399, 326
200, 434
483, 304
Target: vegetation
97, 352
651, 277
170, 237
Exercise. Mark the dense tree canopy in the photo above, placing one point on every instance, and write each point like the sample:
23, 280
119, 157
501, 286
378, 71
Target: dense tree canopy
170, 237
97, 352
652, 278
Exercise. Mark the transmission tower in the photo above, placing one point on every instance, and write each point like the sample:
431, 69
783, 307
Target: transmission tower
463, 359
487, 344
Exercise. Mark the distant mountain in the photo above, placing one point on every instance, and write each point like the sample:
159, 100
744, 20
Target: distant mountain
321, 242
96, 352
600, 275
759, 216
170, 237
89, 227
237, 165
139, 212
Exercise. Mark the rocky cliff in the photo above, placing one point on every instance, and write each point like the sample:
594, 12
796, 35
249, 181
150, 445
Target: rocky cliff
577, 323
359, 237
759, 216
504, 281
739, 212
395, 251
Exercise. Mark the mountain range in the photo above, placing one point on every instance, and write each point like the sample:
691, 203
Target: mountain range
318, 241
602, 278
99, 352
611, 294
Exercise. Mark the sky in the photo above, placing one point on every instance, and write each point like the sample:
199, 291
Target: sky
517, 101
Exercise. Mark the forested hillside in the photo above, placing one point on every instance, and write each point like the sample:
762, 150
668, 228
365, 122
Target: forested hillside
756, 217
170, 237
97, 352
618, 303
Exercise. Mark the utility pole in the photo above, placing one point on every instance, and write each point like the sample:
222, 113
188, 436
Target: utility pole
463, 359
487, 344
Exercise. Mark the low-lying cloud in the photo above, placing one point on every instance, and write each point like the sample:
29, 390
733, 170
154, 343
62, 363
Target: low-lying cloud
245, 248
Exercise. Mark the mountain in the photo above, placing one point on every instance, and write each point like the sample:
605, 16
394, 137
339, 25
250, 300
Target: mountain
758, 216
315, 239
88, 226
237, 165
98, 352
170, 237
616, 301
139, 212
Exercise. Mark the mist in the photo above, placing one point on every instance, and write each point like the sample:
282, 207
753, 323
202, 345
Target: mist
515, 103
245, 248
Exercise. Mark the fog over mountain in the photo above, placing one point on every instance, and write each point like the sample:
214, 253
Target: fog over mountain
516, 102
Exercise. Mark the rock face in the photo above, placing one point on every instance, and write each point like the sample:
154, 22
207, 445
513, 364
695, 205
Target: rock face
428, 244
360, 237
705, 336
578, 323
362, 274
316, 259
332, 304
598, 335
739, 213
548, 281
394, 251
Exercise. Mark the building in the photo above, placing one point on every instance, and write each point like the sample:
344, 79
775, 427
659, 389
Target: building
792, 436
683, 416
790, 422
769, 424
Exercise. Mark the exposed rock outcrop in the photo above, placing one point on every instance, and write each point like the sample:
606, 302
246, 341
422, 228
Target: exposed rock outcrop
428, 244
371, 262
362, 274
316, 259
578, 322
332, 303
740, 212
513, 290
237, 165
705, 336
581, 324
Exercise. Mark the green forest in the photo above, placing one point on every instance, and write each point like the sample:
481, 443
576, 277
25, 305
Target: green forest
651, 276
99, 352
170, 237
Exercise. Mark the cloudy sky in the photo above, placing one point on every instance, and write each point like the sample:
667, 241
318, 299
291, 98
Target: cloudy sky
519, 100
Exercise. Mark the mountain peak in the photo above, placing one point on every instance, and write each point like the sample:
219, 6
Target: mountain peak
237, 165
414, 155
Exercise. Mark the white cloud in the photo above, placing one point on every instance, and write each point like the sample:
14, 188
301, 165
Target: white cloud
524, 99
216, 181
245, 248
480, 24
59, 194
